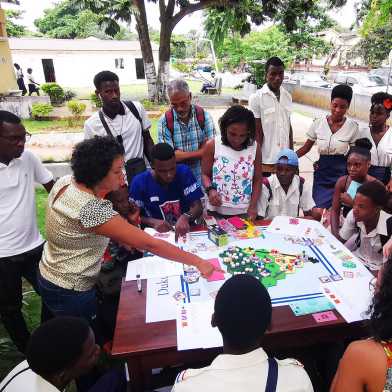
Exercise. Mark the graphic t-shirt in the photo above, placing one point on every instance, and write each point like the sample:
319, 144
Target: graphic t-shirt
165, 202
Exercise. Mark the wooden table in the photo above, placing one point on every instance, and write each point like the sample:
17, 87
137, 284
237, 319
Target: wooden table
154, 345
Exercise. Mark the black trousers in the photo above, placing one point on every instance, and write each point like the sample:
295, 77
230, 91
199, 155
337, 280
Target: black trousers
12, 269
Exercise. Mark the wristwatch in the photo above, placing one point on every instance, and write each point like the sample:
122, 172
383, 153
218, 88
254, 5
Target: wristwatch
208, 188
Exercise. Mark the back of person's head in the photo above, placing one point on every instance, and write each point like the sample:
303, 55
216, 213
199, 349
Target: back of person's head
104, 76
92, 159
375, 191
342, 91
275, 61
362, 147
381, 309
162, 152
382, 98
238, 114
242, 311
8, 117
29, 70
57, 345
16, 65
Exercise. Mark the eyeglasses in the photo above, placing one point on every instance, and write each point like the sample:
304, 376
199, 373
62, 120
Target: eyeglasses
16, 139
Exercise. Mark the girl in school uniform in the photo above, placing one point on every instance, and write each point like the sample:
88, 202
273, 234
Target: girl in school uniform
367, 227
380, 135
231, 180
358, 163
333, 134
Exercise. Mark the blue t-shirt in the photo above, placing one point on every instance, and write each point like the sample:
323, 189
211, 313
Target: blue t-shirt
169, 202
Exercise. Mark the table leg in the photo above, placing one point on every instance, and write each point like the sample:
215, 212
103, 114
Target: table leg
136, 374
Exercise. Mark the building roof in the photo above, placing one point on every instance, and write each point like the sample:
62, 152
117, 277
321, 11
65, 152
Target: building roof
83, 45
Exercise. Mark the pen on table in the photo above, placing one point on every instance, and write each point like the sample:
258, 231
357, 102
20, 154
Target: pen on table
139, 283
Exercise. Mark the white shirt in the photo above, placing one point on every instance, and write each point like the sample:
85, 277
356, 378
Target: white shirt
127, 125
278, 202
19, 74
18, 223
275, 120
370, 249
30, 78
247, 373
26, 381
329, 143
381, 155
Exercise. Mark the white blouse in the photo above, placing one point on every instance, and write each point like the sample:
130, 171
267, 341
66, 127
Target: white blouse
382, 153
329, 143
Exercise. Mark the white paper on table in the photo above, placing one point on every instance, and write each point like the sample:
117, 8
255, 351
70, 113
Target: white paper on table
160, 301
194, 328
163, 295
351, 297
168, 236
153, 267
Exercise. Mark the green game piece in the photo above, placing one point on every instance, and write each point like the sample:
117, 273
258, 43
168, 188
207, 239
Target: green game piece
272, 267
268, 281
349, 264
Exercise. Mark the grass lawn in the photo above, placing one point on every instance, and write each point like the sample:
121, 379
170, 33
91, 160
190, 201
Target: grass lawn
34, 126
9, 356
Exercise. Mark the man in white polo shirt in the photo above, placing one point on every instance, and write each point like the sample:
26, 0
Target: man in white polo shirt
125, 121
271, 106
20, 241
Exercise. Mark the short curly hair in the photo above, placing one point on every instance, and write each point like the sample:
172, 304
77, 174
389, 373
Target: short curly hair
238, 114
92, 159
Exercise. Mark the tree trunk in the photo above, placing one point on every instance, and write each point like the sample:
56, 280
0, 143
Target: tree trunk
164, 59
145, 46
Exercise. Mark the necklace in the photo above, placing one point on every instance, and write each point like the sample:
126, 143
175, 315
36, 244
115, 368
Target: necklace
118, 132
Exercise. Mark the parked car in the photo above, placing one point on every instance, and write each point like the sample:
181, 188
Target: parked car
361, 82
309, 79
383, 73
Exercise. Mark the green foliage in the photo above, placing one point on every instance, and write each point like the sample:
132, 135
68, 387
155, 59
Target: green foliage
95, 100
68, 95
179, 45
55, 92
41, 110
257, 47
182, 67
378, 16
12, 27
77, 108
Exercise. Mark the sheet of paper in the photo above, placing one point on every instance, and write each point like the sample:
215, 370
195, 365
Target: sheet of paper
168, 236
351, 297
152, 267
194, 328
324, 316
216, 274
309, 306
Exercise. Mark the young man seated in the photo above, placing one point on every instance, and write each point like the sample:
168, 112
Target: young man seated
242, 314
168, 195
367, 227
59, 351
285, 193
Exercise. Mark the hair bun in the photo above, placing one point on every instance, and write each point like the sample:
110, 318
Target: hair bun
364, 143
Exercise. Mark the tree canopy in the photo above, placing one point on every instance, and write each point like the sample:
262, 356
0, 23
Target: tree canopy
13, 28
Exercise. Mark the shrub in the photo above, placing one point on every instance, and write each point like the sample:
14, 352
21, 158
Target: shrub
95, 100
181, 67
40, 110
68, 95
77, 108
55, 92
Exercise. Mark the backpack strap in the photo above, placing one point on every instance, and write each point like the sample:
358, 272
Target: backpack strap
200, 116
272, 378
384, 238
301, 189
169, 117
131, 106
107, 129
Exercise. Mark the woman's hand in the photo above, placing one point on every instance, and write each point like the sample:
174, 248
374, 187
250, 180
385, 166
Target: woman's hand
207, 269
387, 249
346, 199
214, 198
252, 213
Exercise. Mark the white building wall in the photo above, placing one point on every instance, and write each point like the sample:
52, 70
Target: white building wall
77, 69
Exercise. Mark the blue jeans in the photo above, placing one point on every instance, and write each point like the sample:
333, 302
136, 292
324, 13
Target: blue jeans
66, 302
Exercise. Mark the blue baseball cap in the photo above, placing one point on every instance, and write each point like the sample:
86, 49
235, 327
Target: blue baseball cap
287, 157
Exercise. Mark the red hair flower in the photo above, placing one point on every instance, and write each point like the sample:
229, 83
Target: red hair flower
388, 103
